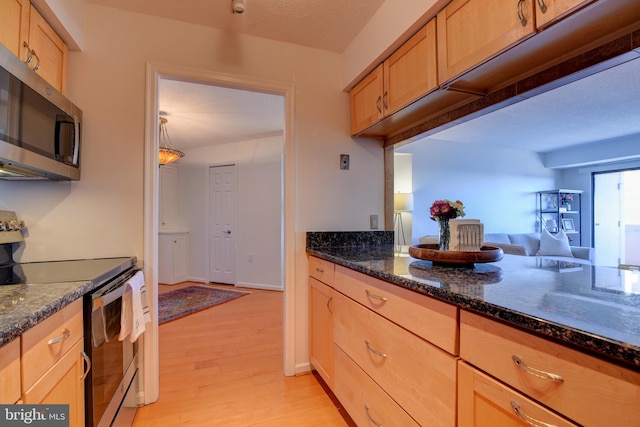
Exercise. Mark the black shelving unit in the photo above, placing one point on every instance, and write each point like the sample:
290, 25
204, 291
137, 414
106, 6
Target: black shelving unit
561, 209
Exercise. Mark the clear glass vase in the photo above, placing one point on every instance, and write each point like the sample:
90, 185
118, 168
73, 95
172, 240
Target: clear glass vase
444, 234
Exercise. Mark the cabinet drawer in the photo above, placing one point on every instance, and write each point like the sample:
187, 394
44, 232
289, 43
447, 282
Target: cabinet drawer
433, 320
591, 392
39, 352
420, 377
364, 400
483, 401
322, 270
10, 372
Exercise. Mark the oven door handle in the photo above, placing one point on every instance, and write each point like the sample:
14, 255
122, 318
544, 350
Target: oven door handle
87, 361
109, 298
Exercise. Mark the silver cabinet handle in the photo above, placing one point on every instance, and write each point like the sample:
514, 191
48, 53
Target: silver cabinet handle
378, 101
32, 53
536, 372
523, 19
375, 423
373, 350
319, 270
528, 419
374, 296
87, 361
65, 336
329, 304
543, 6
384, 100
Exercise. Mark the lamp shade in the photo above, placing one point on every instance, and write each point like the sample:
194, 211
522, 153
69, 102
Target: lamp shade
403, 202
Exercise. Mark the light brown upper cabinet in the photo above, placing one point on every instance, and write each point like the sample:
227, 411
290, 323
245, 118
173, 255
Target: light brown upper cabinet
51, 51
409, 73
548, 10
472, 31
14, 25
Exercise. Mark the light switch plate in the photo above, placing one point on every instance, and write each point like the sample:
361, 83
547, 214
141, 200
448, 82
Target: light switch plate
373, 222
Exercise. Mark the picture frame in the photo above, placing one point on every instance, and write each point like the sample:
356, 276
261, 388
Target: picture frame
568, 225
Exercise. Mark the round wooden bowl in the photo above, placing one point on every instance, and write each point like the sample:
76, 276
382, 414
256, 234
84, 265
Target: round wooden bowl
430, 252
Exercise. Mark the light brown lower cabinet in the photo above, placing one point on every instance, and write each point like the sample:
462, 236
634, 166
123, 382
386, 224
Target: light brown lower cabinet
10, 372
419, 377
364, 400
63, 384
485, 402
321, 346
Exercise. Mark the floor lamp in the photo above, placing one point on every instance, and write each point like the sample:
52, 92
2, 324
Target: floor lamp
402, 202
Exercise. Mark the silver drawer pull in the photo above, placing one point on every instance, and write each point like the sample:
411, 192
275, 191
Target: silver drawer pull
528, 419
65, 336
329, 304
375, 423
536, 372
373, 350
319, 270
374, 296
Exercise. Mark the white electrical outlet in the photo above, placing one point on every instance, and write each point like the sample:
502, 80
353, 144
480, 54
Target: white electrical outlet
373, 222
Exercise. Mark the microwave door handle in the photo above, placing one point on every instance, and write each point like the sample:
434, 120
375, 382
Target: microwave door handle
76, 145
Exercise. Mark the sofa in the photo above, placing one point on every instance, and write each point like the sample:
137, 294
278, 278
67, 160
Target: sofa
528, 244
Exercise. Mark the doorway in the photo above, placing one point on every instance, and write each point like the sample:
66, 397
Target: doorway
616, 217
156, 71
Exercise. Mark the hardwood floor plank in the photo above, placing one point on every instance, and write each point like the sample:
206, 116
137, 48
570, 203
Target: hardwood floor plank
223, 367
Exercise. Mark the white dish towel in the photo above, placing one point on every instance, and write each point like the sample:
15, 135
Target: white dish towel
135, 308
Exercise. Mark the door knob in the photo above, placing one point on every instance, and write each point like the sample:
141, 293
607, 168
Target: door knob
228, 231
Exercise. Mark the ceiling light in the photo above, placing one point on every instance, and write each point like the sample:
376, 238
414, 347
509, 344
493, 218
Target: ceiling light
167, 154
237, 6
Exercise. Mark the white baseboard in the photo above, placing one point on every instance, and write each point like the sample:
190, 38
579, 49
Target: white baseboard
259, 286
302, 368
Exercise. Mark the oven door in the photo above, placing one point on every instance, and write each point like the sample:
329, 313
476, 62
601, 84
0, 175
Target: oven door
114, 362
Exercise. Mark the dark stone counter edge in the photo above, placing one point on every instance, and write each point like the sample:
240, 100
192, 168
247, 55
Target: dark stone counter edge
618, 352
12, 332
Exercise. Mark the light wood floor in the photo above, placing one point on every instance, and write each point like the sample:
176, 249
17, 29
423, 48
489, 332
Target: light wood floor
223, 367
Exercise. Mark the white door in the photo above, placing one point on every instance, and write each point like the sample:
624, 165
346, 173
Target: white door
607, 217
222, 233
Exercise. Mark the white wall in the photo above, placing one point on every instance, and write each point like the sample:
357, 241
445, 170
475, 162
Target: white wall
259, 203
102, 215
497, 186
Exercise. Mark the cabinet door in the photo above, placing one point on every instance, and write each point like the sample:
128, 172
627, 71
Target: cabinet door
63, 384
14, 25
548, 10
473, 31
180, 259
483, 401
411, 71
168, 198
420, 377
366, 101
10, 372
321, 346
51, 51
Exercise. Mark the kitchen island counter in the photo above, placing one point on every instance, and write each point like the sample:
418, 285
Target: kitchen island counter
591, 308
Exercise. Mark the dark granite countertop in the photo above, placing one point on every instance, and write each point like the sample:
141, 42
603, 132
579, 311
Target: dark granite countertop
594, 309
24, 306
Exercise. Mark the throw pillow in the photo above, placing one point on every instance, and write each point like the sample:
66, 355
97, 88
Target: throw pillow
557, 245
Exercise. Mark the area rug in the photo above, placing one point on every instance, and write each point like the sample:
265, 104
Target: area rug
182, 302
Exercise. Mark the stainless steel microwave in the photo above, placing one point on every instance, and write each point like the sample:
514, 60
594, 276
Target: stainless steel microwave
40, 129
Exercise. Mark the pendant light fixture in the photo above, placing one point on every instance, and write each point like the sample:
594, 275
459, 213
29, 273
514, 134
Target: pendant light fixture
167, 154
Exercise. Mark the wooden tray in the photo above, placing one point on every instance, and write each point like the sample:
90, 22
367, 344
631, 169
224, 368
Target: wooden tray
430, 252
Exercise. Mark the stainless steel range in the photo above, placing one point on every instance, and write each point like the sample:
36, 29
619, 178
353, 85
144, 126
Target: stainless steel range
111, 387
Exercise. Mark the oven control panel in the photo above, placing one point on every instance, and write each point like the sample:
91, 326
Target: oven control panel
10, 227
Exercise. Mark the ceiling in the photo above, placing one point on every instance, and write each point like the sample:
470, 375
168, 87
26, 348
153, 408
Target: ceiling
599, 107
322, 24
